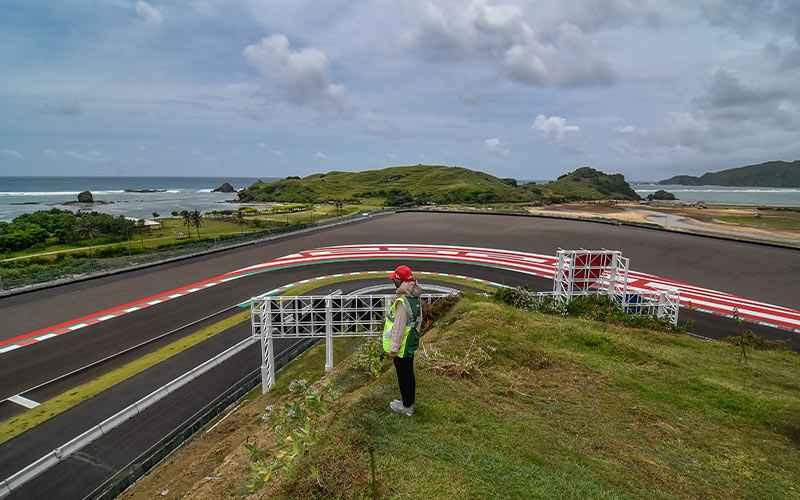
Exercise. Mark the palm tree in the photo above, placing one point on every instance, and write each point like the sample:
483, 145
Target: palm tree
240, 218
85, 229
187, 221
197, 220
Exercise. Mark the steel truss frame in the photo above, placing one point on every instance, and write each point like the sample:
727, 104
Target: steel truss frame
593, 272
317, 316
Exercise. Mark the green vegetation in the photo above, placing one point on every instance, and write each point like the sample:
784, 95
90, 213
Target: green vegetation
587, 183
61, 227
770, 174
661, 195
778, 221
518, 404
435, 184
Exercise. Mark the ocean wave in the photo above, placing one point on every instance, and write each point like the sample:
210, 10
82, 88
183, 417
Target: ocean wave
209, 190
54, 193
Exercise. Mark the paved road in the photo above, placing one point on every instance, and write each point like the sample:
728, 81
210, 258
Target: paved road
754, 271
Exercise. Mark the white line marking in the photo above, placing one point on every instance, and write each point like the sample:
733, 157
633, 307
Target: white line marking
154, 302
176, 295
77, 327
46, 336
9, 348
106, 317
223, 418
208, 285
319, 253
132, 309
192, 290
23, 401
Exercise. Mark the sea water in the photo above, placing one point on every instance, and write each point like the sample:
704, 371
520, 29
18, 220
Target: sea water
727, 195
19, 195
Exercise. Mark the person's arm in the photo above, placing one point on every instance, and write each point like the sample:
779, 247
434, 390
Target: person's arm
400, 320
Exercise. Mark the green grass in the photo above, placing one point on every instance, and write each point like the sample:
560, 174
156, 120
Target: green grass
172, 232
565, 408
779, 222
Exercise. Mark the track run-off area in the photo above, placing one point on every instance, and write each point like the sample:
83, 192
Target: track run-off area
47, 333
692, 296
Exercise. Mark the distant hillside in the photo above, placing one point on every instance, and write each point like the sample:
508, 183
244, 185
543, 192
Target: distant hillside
425, 184
770, 174
587, 183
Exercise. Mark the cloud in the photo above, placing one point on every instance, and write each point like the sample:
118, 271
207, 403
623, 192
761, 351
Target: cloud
320, 155
554, 127
302, 75
12, 154
549, 47
496, 146
91, 155
50, 153
149, 14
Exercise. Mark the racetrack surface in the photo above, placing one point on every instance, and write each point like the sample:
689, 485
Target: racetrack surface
754, 271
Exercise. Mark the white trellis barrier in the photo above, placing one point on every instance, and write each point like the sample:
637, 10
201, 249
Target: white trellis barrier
317, 316
592, 272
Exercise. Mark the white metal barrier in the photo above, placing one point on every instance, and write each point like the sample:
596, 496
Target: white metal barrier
15, 481
593, 272
317, 316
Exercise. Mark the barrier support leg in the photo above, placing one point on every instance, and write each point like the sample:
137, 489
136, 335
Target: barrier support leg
328, 336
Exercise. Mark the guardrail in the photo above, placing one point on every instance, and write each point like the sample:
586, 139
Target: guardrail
72, 446
138, 467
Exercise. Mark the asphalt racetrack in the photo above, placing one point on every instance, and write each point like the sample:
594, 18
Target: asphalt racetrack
754, 271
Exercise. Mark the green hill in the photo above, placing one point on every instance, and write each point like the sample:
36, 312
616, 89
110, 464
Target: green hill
426, 184
770, 174
512, 404
587, 183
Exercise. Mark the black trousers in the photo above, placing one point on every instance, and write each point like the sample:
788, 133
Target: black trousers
406, 380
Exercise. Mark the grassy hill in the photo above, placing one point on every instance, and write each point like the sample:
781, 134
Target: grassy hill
587, 183
769, 174
425, 184
513, 404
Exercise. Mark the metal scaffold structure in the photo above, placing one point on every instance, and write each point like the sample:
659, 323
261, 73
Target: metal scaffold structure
317, 316
605, 272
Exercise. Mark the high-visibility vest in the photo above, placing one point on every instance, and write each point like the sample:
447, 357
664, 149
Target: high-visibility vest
410, 339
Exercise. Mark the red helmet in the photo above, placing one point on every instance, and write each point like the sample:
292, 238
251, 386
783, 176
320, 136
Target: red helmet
402, 273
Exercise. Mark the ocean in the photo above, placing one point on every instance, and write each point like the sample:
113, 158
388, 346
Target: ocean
19, 195
723, 195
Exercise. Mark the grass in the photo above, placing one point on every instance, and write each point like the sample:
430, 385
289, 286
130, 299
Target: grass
783, 222
172, 232
565, 408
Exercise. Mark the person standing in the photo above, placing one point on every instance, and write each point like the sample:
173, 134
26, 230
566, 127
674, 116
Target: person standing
401, 333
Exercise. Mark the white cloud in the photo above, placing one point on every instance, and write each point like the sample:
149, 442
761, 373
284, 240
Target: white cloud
320, 155
50, 153
91, 155
302, 75
554, 127
558, 52
149, 14
496, 146
12, 153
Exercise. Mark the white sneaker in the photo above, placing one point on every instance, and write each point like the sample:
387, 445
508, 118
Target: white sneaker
397, 407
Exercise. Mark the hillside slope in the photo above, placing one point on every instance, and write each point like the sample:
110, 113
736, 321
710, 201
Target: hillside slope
515, 404
425, 184
770, 174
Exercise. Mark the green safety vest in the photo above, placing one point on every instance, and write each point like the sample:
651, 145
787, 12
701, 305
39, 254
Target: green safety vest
411, 334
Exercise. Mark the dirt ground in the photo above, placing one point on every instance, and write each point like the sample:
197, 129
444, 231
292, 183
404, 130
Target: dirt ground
733, 221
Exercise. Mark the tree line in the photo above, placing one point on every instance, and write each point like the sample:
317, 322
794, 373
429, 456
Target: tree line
61, 226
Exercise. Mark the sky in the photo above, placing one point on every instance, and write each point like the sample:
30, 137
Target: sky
268, 88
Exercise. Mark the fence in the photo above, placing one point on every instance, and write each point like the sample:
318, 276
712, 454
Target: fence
74, 445
317, 316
